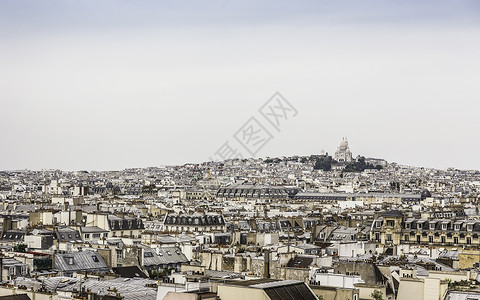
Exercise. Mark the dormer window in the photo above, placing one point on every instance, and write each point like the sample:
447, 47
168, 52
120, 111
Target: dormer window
444, 226
379, 224
457, 227
469, 227
407, 225
432, 226
419, 226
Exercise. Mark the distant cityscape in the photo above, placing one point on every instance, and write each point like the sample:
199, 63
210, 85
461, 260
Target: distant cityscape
300, 227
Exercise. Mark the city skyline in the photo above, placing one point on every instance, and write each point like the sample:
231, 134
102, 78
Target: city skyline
232, 150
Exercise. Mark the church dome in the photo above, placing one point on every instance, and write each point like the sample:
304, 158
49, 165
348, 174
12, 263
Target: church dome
344, 144
343, 153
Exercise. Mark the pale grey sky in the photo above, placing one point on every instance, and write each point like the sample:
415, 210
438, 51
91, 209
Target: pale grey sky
115, 84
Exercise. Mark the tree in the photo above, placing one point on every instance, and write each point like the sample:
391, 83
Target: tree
377, 295
20, 248
324, 163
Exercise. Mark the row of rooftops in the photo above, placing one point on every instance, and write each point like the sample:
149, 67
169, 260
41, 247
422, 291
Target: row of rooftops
354, 196
194, 220
255, 191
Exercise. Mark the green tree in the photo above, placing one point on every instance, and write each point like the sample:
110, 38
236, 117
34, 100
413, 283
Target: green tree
323, 162
20, 248
360, 165
377, 295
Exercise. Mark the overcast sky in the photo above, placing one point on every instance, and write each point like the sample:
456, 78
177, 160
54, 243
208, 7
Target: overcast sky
102, 85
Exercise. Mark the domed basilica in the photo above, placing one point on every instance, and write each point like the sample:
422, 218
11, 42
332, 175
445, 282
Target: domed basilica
343, 153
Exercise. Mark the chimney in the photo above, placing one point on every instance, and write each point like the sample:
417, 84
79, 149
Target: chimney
266, 272
7, 223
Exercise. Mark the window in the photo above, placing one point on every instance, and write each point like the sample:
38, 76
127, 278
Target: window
377, 236
87, 235
69, 260
148, 254
469, 240
432, 226
457, 227
391, 223
95, 258
407, 225
389, 237
407, 238
419, 226
96, 235
443, 239
378, 224
418, 238
470, 227
455, 239
444, 226
430, 238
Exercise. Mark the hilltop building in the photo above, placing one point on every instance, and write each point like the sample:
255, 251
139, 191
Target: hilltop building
343, 153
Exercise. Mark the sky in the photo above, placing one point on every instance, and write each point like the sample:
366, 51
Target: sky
108, 85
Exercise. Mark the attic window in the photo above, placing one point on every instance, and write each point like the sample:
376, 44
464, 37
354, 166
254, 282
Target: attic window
148, 254
95, 258
69, 260
169, 253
